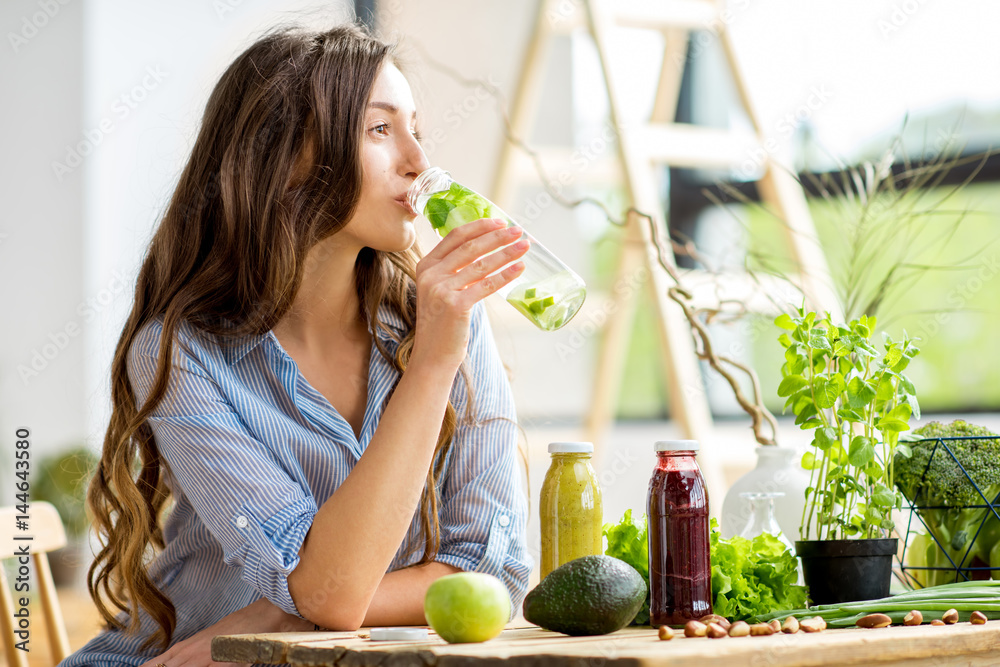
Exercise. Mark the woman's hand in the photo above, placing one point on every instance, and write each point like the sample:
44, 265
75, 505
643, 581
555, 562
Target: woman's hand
196, 651
452, 277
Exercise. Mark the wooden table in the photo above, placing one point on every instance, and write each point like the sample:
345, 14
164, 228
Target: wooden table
923, 646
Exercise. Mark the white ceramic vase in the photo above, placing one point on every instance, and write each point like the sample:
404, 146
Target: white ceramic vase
778, 469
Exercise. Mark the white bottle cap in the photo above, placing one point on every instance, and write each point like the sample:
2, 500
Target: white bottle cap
398, 634
571, 448
676, 446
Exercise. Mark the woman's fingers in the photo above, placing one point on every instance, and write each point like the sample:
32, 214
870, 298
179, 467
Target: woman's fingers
487, 264
460, 235
487, 286
471, 250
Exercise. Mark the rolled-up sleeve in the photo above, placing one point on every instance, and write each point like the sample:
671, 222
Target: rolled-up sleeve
484, 508
252, 506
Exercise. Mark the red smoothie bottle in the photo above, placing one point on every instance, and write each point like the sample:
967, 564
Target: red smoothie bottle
680, 572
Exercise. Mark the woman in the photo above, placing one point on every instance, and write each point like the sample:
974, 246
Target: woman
289, 375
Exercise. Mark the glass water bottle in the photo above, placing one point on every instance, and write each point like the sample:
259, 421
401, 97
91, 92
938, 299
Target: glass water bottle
547, 292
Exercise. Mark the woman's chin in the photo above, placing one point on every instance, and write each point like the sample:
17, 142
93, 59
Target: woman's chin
403, 239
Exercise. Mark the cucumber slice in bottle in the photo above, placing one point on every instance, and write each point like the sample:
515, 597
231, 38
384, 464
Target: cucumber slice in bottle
459, 216
529, 293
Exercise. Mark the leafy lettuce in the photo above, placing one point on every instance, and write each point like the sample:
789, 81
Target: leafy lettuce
629, 543
749, 577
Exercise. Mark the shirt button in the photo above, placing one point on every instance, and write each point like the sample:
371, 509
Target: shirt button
241, 521
504, 520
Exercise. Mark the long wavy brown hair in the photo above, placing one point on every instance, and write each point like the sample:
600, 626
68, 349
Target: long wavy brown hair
228, 257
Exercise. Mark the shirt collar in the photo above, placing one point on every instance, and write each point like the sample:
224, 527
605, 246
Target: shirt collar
392, 321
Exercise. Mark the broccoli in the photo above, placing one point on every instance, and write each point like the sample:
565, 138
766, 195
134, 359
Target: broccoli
943, 484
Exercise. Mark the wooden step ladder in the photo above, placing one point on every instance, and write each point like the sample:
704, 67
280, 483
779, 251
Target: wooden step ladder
640, 153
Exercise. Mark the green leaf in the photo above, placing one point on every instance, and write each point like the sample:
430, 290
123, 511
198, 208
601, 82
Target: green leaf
861, 452
850, 414
436, 211
828, 391
807, 413
885, 391
810, 423
901, 412
859, 393
785, 340
785, 322
819, 341
906, 386
797, 365
825, 437
883, 496
809, 461
791, 384
904, 451
891, 424
892, 355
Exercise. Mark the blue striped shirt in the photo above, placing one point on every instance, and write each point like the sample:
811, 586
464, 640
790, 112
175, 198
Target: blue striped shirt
252, 450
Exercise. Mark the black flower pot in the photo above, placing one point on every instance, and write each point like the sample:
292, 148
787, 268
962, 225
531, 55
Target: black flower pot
846, 570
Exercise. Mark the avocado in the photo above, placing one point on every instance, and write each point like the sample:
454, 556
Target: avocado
592, 595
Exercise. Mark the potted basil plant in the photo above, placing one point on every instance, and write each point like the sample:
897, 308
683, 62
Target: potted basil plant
857, 401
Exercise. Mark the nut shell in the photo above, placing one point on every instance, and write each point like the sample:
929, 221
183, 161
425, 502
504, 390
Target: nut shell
666, 633
790, 626
715, 618
938, 621
874, 621
814, 624
716, 631
950, 617
914, 618
977, 618
739, 629
761, 630
695, 629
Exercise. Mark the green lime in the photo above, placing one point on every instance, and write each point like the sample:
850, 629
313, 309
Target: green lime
467, 607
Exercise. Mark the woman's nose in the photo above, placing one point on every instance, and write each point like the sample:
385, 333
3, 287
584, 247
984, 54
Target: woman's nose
416, 160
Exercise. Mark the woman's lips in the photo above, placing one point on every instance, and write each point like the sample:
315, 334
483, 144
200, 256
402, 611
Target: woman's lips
402, 201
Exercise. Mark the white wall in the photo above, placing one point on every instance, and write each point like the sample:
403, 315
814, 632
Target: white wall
41, 230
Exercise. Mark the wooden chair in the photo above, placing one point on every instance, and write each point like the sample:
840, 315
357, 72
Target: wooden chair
48, 534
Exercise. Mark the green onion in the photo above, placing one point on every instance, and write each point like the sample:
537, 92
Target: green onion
965, 597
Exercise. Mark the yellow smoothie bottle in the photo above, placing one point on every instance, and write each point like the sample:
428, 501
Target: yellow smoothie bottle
570, 506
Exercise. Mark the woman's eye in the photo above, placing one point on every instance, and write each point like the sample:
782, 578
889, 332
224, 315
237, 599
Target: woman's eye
416, 135
384, 127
